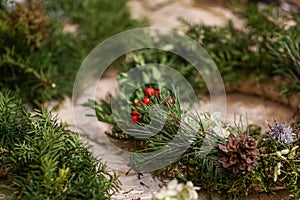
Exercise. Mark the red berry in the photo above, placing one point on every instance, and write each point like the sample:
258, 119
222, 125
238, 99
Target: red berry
171, 100
149, 91
146, 100
135, 118
138, 104
134, 112
157, 92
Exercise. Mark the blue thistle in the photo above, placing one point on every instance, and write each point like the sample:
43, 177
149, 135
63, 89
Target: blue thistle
282, 133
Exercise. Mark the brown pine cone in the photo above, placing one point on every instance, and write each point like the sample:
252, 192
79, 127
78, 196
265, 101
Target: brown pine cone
240, 154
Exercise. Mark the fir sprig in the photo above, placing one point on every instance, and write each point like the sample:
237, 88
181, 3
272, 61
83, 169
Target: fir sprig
44, 160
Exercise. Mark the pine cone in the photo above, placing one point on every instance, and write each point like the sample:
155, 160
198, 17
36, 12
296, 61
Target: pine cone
241, 154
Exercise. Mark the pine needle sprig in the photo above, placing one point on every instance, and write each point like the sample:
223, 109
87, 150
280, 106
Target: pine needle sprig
48, 161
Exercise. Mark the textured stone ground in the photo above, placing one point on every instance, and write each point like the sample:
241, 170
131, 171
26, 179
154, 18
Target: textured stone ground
165, 13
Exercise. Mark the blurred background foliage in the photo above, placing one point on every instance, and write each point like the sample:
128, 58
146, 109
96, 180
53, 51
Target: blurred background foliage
267, 46
38, 57
40, 54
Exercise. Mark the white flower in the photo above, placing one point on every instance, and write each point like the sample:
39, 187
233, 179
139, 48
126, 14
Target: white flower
211, 120
165, 194
191, 193
174, 186
215, 117
221, 131
177, 191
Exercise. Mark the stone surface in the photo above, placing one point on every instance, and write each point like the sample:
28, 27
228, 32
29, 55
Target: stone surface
268, 89
156, 4
167, 16
253, 110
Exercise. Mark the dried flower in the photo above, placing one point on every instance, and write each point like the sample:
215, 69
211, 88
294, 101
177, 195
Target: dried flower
282, 133
241, 154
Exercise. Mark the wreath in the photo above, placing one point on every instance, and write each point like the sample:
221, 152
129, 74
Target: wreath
232, 160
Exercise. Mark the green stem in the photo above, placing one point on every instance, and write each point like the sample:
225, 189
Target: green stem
28, 69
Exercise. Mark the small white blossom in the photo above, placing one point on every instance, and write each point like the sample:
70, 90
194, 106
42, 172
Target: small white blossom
177, 191
221, 131
213, 122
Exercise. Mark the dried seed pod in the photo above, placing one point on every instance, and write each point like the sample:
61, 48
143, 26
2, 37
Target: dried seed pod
282, 132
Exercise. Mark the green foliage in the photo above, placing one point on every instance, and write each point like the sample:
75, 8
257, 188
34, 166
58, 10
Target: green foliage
13, 119
285, 52
267, 46
205, 170
200, 162
97, 19
22, 33
282, 161
43, 160
104, 114
160, 57
126, 104
38, 59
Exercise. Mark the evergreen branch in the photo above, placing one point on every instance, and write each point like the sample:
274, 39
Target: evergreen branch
47, 161
7, 59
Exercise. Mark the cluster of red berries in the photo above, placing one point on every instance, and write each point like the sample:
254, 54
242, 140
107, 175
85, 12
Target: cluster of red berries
135, 116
